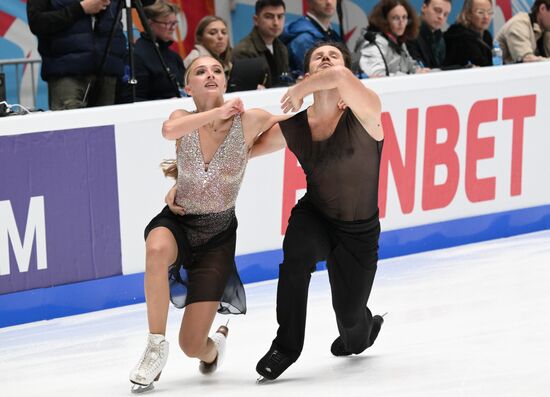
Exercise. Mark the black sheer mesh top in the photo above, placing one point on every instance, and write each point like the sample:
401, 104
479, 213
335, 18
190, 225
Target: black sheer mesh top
342, 170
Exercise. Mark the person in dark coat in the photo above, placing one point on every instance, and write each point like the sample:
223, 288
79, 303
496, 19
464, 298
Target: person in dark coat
468, 41
72, 39
303, 33
263, 42
428, 48
152, 82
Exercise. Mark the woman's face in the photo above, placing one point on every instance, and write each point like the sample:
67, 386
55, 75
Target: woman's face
215, 37
206, 77
481, 15
164, 27
398, 19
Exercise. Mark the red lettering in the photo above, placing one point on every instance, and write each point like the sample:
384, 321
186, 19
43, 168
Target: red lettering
517, 109
294, 179
403, 169
443, 153
480, 189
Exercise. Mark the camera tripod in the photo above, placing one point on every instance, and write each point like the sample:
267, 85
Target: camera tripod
94, 88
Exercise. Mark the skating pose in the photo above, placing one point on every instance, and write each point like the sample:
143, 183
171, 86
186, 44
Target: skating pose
337, 219
190, 250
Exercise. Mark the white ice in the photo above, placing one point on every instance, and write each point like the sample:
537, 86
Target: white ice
465, 321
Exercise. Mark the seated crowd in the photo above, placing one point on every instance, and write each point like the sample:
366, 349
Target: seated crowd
396, 41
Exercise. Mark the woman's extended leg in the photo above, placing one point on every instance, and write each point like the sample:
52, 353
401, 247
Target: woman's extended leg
161, 253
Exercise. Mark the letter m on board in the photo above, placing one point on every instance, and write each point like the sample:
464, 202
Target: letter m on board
35, 231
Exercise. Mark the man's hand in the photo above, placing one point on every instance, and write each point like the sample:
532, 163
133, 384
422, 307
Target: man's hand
91, 7
291, 101
170, 200
231, 107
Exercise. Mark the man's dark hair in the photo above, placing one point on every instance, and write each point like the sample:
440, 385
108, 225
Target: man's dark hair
261, 4
341, 47
536, 6
427, 2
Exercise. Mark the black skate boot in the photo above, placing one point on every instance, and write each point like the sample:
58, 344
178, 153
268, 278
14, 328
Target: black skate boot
338, 349
273, 364
377, 322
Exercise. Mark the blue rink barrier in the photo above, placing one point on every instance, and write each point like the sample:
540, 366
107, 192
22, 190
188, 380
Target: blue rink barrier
70, 299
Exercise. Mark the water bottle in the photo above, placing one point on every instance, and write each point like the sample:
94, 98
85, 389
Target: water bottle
497, 54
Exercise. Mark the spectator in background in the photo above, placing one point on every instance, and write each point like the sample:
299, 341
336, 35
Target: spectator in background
264, 41
468, 41
211, 39
526, 37
152, 82
72, 37
383, 52
428, 48
300, 35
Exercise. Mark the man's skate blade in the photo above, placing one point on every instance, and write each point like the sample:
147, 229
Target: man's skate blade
138, 389
263, 380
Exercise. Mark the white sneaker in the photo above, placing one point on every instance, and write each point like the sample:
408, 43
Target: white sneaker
152, 361
219, 339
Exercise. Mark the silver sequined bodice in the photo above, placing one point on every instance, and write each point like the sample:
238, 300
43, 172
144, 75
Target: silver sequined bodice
201, 191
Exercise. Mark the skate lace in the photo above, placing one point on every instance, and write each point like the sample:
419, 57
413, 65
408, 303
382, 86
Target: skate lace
277, 357
150, 360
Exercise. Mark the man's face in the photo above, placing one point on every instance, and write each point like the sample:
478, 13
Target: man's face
270, 22
322, 8
325, 57
543, 17
436, 13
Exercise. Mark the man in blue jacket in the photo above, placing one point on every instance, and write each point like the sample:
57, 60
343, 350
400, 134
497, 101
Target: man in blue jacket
72, 38
300, 35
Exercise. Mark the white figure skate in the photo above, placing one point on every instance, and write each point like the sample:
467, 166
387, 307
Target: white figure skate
219, 339
150, 364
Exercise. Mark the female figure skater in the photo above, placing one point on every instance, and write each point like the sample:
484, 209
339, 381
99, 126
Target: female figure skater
190, 258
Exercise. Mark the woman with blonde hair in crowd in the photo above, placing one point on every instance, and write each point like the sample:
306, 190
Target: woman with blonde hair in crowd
468, 41
212, 38
190, 245
383, 51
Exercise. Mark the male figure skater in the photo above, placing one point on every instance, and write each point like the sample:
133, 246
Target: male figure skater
337, 219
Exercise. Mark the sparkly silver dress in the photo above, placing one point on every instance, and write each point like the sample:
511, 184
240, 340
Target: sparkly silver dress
205, 268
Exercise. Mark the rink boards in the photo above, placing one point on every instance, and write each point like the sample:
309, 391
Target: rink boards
465, 159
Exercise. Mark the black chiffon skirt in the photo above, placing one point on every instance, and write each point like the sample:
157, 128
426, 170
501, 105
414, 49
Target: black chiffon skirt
205, 268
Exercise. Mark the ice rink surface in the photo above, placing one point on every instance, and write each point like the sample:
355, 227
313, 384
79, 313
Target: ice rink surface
466, 321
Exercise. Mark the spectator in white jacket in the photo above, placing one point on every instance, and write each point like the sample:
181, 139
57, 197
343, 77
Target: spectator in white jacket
383, 51
526, 37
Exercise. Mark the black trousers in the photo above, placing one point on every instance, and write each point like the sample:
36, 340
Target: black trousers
351, 252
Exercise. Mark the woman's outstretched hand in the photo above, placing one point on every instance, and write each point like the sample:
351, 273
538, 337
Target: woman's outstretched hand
290, 101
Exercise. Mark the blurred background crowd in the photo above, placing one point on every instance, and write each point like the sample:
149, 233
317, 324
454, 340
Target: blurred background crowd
65, 54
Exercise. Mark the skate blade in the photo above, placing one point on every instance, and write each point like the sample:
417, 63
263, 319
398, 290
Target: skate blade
263, 381
138, 389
